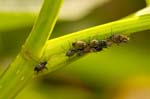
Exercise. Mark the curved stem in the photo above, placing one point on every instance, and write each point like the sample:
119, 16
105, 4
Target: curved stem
56, 48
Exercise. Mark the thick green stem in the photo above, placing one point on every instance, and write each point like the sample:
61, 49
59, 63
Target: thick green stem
56, 48
43, 27
22, 69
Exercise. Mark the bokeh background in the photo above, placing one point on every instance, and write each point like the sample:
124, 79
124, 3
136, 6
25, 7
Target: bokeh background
120, 72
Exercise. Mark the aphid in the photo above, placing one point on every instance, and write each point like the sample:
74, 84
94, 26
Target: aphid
93, 43
87, 49
40, 67
71, 52
103, 44
97, 49
98, 45
79, 45
117, 38
81, 52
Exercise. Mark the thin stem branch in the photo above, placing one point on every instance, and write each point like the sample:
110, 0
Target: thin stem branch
55, 49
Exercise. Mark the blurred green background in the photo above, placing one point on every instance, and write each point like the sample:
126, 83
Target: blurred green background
119, 72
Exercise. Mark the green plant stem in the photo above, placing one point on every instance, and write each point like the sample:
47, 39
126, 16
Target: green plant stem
56, 48
22, 69
43, 27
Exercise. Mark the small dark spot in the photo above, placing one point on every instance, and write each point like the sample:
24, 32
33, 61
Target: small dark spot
40, 67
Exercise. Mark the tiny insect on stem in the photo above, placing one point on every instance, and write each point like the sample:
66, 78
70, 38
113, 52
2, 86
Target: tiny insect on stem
40, 67
81, 47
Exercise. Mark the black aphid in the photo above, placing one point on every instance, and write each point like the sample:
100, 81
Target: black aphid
103, 44
97, 49
71, 52
94, 45
81, 52
98, 45
40, 67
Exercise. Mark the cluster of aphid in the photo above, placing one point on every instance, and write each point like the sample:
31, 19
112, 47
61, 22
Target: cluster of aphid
81, 47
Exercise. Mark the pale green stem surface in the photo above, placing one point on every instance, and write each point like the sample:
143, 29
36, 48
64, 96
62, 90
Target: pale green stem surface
22, 69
